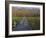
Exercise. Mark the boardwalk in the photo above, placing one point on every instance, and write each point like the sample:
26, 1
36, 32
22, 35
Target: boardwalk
23, 25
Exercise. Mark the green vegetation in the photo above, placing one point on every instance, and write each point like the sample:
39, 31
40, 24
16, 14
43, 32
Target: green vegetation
35, 22
15, 20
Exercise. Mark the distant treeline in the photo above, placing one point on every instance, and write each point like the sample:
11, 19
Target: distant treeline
26, 12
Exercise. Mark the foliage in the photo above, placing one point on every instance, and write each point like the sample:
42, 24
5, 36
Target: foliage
34, 22
15, 20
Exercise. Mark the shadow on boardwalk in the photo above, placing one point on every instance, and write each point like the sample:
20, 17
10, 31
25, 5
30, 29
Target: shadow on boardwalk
23, 25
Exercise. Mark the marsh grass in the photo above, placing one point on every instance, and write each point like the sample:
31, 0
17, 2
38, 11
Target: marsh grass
15, 20
34, 22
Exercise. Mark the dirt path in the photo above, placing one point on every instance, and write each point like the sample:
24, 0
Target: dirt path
23, 25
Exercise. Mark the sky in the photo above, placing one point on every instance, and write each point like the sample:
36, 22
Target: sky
29, 8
